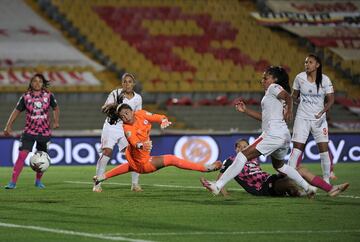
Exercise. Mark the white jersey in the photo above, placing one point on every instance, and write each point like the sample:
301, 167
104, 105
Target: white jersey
273, 122
135, 103
311, 101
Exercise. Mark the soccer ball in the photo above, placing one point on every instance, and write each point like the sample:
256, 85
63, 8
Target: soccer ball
40, 161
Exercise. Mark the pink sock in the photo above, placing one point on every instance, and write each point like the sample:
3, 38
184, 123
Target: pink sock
320, 183
39, 175
19, 164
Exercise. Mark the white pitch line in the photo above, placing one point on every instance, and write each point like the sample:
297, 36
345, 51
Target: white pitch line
242, 232
187, 187
153, 185
69, 232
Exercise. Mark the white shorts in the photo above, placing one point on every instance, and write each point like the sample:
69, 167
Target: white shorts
318, 128
112, 135
274, 146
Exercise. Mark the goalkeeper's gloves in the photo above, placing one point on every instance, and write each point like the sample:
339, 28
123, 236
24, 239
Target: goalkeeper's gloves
165, 123
147, 145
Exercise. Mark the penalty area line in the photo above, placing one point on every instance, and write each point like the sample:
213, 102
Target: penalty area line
70, 232
153, 185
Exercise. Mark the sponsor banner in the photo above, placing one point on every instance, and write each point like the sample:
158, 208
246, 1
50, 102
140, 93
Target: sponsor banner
290, 18
57, 78
198, 148
324, 31
313, 6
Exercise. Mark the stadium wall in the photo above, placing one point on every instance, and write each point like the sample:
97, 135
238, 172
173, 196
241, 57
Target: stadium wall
71, 150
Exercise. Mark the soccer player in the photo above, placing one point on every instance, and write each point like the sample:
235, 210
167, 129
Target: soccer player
275, 138
314, 93
113, 133
36, 101
260, 183
137, 127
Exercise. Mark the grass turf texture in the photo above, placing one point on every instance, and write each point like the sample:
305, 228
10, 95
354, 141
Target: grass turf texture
181, 210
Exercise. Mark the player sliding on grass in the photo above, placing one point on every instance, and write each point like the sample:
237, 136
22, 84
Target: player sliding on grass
260, 183
137, 126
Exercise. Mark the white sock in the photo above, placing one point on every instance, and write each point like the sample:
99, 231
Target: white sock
293, 174
294, 157
325, 165
135, 178
101, 165
232, 171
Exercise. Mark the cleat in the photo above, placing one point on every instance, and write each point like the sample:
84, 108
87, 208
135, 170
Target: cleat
210, 186
10, 185
39, 185
333, 176
97, 188
98, 179
214, 166
337, 189
136, 188
310, 193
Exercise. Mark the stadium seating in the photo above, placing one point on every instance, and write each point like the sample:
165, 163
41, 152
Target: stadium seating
202, 49
183, 46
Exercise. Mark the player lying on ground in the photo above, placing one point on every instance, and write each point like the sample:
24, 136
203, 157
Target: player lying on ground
137, 126
260, 183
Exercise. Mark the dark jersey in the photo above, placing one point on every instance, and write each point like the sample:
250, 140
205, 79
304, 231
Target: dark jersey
37, 108
252, 178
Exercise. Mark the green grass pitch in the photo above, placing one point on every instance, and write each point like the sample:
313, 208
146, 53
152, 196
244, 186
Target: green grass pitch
173, 207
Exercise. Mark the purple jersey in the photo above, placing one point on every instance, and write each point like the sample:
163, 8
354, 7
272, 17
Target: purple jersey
251, 178
37, 108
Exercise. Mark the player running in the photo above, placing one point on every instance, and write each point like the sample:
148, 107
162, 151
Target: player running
137, 126
113, 133
275, 138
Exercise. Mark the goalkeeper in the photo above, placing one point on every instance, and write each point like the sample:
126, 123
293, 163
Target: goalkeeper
137, 126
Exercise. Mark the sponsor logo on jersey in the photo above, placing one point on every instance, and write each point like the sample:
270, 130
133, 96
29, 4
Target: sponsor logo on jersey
37, 104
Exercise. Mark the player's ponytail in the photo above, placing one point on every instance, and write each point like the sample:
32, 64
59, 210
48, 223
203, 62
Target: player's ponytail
281, 75
111, 113
318, 80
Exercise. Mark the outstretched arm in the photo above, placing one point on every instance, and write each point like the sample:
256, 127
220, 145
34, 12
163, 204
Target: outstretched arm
241, 107
158, 118
13, 116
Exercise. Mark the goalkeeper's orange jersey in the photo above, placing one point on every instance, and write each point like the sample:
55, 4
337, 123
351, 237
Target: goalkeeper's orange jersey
139, 132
